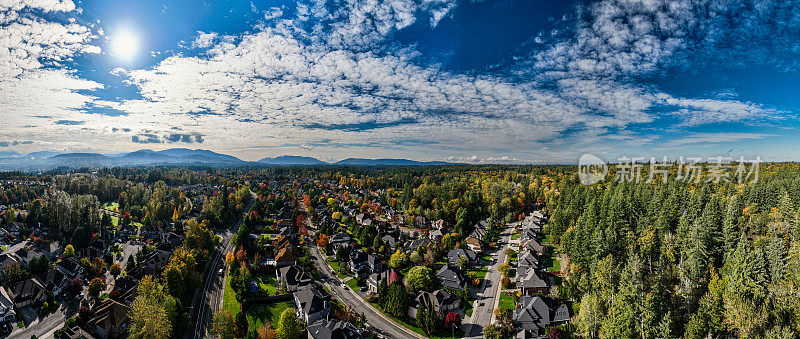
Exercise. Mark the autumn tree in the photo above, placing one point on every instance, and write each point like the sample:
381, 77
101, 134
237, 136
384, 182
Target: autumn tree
223, 324
289, 326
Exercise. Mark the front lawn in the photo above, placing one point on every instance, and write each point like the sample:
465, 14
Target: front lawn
506, 301
229, 301
353, 284
410, 323
337, 268
480, 272
259, 316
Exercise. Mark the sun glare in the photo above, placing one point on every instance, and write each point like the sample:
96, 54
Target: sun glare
124, 45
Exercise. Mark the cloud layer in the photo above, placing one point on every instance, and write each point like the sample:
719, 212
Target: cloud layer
332, 77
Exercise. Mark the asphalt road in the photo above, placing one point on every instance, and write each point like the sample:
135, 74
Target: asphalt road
483, 310
209, 297
375, 318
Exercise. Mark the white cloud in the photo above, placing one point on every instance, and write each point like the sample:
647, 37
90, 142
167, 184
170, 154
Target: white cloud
704, 138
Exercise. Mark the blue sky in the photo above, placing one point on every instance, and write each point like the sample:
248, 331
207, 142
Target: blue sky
473, 81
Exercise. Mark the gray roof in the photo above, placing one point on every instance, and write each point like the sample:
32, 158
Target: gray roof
324, 329
450, 277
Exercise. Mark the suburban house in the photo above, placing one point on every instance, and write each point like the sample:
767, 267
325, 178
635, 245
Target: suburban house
375, 279
528, 259
70, 268
474, 244
441, 301
27, 292
324, 329
451, 277
389, 240
454, 256
311, 304
54, 281
534, 245
294, 277
340, 238
285, 258
413, 245
7, 314
535, 314
110, 319
436, 236
530, 282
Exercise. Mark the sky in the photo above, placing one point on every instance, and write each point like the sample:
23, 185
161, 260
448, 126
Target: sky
503, 81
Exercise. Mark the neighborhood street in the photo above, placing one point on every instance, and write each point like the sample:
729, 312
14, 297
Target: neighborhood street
375, 318
482, 313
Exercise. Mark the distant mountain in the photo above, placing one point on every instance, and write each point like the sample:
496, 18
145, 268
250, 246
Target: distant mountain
206, 154
291, 160
387, 162
9, 154
43, 154
144, 157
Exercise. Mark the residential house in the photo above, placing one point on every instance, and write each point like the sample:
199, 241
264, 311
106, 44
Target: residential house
534, 245
389, 240
311, 304
454, 256
441, 301
171, 240
451, 277
535, 314
527, 260
294, 277
7, 313
334, 329
532, 282
413, 245
285, 258
70, 268
27, 292
54, 280
474, 244
374, 280
110, 319
340, 238
436, 236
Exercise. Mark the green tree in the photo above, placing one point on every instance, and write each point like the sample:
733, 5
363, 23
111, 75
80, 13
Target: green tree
419, 278
398, 259
152, 312
289, 326
397, 302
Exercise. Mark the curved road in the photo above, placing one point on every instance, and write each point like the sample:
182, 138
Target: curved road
374, 317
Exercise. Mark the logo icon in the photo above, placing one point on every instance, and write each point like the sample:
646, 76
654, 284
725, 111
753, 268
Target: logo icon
591, 169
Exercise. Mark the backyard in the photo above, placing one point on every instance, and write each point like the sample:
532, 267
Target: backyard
258, 316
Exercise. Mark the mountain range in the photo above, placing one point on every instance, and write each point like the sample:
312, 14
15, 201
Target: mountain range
46, 160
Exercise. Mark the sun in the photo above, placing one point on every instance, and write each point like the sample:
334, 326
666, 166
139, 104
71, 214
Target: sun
124, 44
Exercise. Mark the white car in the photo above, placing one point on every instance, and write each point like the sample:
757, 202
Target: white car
344, 285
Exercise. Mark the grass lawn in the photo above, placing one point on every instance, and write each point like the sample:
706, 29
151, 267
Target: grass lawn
258, 316
486, 257
337, 268
229, 301
480, 272
506, 301
111, 206
468, 308
410, 324
266, 284
114, 220
353, 284
515, 236
552, 264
